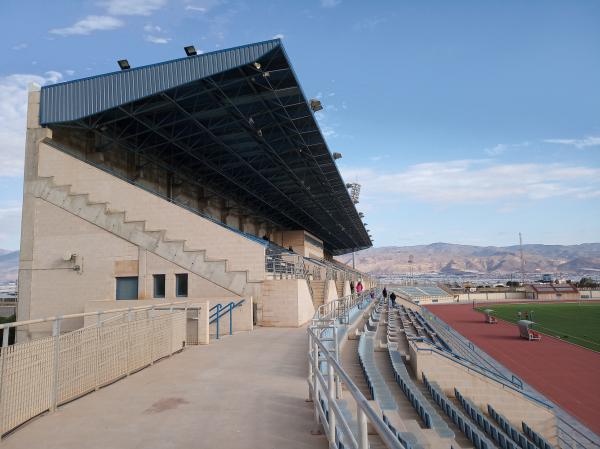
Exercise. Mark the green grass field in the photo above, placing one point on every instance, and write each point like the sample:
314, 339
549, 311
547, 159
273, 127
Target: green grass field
577, 323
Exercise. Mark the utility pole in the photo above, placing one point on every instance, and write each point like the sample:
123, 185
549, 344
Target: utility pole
522, 260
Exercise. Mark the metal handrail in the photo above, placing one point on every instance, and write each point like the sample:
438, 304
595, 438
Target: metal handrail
222, 310
365, 413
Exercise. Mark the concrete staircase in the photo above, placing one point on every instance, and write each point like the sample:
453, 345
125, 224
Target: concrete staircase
135, 232
318, 292
339, 283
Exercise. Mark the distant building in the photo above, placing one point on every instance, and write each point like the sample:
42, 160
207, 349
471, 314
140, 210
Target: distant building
552, 292
546, 277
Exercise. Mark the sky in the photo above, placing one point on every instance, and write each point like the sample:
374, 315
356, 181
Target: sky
464, 122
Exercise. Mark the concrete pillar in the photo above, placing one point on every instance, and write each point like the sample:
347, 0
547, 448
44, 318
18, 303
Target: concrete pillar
34, 135
203, 324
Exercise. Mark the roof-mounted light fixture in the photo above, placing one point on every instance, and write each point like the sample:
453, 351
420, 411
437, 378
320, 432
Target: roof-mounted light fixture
361, 215
315, 105
337, 156
257, 65
190, 50
354, 191
123, 64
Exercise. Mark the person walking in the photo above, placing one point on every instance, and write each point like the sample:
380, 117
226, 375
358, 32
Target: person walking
384, 293
393, 299
359, 287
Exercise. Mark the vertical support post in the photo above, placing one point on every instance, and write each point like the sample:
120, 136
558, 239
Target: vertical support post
315, 362
5, 334
55, 364
231, 318
171, 331
153, 334
363, 436
330, 401
218, 313
98, 333
310, 365
129, 341
338, 384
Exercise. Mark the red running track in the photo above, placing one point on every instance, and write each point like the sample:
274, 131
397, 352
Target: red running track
567, 374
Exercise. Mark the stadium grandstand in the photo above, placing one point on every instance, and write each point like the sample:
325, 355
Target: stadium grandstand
423, 294
169, 206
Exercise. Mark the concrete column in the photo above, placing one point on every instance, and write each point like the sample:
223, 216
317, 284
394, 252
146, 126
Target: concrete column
34, 135
142, 275
203, 324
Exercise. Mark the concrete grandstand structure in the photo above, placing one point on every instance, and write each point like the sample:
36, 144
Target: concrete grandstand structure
169, 205
205, 177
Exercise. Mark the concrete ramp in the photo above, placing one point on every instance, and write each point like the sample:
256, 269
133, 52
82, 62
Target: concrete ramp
247, 391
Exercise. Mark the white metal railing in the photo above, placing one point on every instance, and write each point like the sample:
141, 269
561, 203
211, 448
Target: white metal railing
325, 379
41, 374
339, 309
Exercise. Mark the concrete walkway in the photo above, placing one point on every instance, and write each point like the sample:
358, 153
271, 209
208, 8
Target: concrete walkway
246, 391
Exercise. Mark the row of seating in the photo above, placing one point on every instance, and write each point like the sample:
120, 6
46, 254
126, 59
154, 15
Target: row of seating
537, 439
470, 430
510, 430
427, 413
496, 434
407, 439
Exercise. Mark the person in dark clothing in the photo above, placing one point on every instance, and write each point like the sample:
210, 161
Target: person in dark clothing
351, 287
393, 299
384, 293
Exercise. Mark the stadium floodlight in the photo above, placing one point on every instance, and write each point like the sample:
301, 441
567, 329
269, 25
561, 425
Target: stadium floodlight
354, 191
190, 50
124, 64
337, 156
315, 105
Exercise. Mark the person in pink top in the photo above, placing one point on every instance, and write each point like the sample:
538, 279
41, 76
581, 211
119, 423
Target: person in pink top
359, 287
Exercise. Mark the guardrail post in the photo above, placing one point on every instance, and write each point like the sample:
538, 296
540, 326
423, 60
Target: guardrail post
55, 364
310, 365
315, 362
218, 316
330, 400
363, 436
171, 331
98, 332
153, 332
129, 341
5, 334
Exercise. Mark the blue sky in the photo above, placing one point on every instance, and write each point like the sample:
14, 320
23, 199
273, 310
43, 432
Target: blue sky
464, 121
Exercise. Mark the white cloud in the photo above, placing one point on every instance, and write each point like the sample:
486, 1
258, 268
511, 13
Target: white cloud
202, 6
88, 25
279, 36
157, 39
70, 72
368, 24
330, 3
149, 28
132, 7
20, 46
13, 112
589, 141
476, 181
502, 148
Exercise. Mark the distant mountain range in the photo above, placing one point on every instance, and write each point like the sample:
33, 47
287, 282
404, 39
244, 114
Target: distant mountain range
451, 259
444, 258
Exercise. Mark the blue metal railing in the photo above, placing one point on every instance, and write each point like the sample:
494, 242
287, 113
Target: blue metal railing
221, 310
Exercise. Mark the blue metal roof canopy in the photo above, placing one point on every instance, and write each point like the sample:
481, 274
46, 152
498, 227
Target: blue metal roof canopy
235, 120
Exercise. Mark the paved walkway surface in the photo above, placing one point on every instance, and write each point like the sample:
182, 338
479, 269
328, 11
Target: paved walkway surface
565, 373
245, 391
